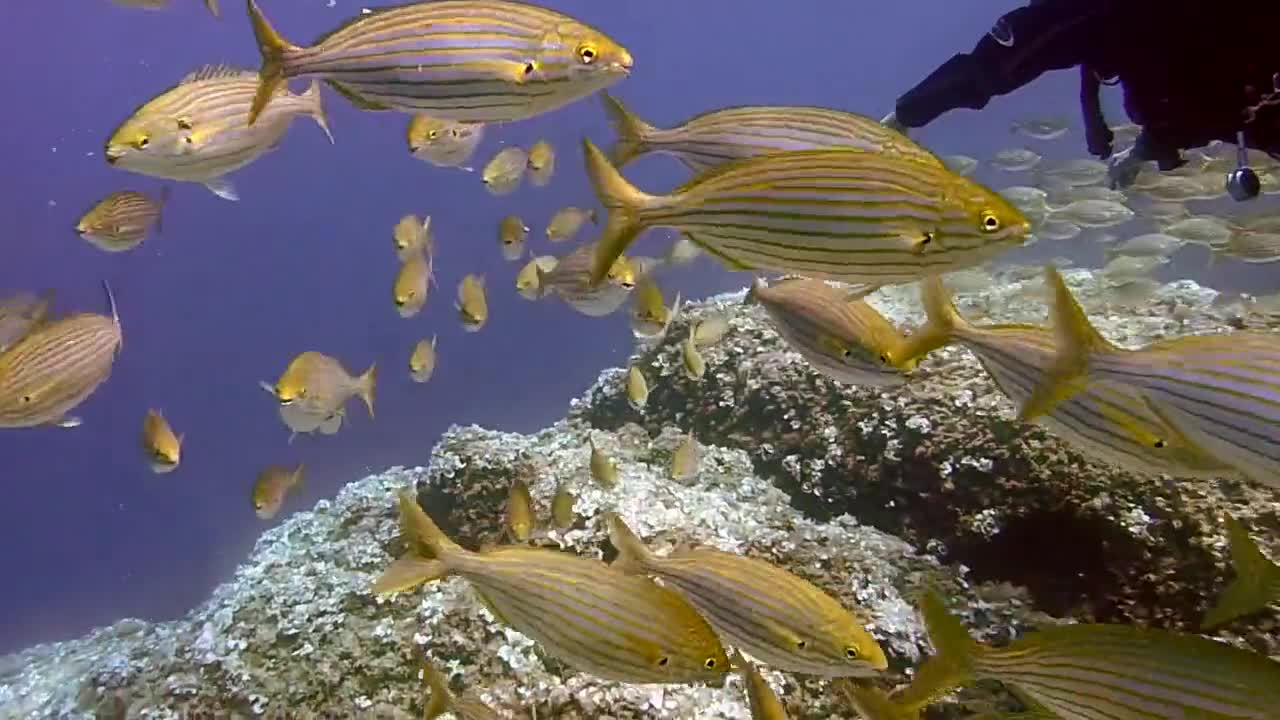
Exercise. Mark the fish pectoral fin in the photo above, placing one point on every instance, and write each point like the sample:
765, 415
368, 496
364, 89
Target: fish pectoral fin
70, 421
407, 572
919, 242
223, 188
355, 98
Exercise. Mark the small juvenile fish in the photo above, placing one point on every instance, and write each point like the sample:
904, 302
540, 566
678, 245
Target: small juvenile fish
710, 330
1202, 230
321, 386
1165, 212
122, 220
764, 702
1080, 171
1256, 583
1123, 268
637, 389
1096, 670
520, 513
1219, 390
651, 317
1030, 200
55, 366
685, 459
578, 610
529, 279
1148, 245
163, 447
20, 314
472, 305
1094, 213
566, 223
412, 237
1040, 128
512, 233
603, 469
271, 488
422, 362
962, 165
562, 515
412, 282
720, 136
471, 60
1060, 198
443, 143
467, 706
1056, 230
542, 163
1133, 292
570, 279
846, 340
1250, 246
942, 221
1015, 159
503, 174
783, 620
199, 130
694, 365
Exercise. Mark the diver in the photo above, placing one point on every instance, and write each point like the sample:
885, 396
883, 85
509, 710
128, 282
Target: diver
1192, 72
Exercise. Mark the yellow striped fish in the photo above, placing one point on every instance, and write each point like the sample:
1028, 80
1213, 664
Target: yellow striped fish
571, 280
199, 131
465, 60
20, 314
1221, 391
465, 707
764, 702
831, 214
1107, 420
782, 620
122, 220
57, 366
162, 446
581, 611
1103, 671
443, 143
712, 138
845, 339
1256, 584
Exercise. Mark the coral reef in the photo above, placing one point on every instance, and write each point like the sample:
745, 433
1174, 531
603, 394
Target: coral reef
821, 478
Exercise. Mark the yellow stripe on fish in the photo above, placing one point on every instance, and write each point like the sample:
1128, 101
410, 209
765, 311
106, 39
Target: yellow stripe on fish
581, 611
844, 215
122, 220
716, 137
465, 60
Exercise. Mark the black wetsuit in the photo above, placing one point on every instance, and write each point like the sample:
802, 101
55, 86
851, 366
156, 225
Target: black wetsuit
1190, 69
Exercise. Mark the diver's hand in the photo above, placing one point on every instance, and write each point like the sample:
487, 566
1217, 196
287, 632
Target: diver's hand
1123, 169
891, 121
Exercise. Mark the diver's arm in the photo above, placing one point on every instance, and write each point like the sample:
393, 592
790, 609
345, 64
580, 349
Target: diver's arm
1023, 44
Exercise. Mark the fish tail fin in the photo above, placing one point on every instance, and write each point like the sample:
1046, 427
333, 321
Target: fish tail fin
952, 664
1077, 342
1250, 590
428, 554
315, 106
273, 48
441, 700
213, 7
633, 555
623, 203
941, 322
365, 386
633, 133
161, 203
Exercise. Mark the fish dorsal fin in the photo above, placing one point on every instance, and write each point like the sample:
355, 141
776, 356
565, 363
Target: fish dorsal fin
214, 72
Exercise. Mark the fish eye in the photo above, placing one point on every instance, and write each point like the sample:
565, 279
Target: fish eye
802, 644
884, 358
433, 134
662, 661
142, 142
990, 223
587, 53
851, 653
26, 399
710, 664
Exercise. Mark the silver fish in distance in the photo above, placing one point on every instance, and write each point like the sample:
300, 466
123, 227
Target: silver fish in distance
443, 143
1015, 159
1049, 128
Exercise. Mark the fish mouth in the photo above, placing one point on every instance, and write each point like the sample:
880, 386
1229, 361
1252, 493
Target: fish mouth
113, 154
